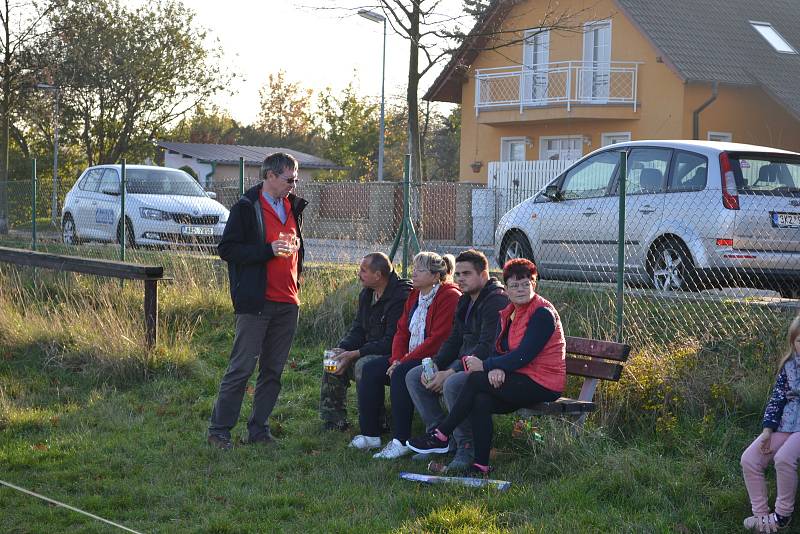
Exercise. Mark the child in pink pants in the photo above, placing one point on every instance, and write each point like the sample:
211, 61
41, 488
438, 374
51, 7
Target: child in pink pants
779, 442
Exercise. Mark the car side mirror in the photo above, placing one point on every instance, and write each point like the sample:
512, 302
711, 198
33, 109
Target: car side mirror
552, 192
211, 194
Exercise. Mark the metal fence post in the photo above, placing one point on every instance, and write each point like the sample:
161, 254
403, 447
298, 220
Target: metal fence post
33, 206
623, 176
241, 176
406, 230
122, 225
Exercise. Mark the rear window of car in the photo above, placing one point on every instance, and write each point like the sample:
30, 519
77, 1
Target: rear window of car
766, 174
689, 172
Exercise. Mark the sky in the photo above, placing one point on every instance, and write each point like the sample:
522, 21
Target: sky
316, 48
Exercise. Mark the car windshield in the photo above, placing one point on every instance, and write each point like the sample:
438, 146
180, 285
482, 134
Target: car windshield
767, 174
159, 181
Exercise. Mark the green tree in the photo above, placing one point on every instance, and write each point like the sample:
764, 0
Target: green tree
350, 125
442, 146
212, 125
285, 108
127, 73
22, 24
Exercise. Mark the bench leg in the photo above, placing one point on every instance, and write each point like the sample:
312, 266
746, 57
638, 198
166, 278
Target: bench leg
587, 394
151, 313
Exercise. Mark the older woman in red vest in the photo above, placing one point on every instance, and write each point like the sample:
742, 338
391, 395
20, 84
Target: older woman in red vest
528, 366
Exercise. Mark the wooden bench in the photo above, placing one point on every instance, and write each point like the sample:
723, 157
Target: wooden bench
592, 359
149, 274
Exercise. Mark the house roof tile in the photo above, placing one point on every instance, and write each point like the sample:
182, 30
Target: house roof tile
253, 155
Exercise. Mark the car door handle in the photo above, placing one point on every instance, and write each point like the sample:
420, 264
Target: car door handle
589, 212
647, 208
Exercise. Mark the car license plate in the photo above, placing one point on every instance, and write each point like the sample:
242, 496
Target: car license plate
786, 220
196, 230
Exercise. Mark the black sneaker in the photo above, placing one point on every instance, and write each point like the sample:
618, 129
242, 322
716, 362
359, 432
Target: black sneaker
429, 443
336, 426
220, 442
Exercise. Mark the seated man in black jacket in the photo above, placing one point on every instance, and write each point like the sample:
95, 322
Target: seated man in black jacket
380, 305
474, 331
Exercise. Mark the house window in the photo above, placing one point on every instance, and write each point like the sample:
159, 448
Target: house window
612, 138
568, 148
773, 37
725, 137
512, 148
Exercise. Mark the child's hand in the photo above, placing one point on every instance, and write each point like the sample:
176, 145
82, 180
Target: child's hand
765, 438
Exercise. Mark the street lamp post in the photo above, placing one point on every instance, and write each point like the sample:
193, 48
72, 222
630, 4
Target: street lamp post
54, 197
377, 17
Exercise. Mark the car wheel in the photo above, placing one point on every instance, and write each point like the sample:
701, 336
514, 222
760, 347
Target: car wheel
516, 246
69, 235
671, 267
130, 240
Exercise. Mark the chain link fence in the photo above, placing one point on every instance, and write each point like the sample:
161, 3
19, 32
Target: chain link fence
711, 244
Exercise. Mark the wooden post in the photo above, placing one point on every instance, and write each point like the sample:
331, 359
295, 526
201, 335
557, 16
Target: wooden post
151, 313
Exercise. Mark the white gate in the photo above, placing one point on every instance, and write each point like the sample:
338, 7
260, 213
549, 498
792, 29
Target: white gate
514, 181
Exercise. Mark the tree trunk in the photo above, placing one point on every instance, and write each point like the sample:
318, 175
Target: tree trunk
412, 93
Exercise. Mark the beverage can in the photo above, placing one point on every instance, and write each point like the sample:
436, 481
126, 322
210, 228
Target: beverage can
428, 369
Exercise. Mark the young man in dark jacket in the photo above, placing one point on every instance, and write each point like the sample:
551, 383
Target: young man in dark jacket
380, 305
263, 245
473, 333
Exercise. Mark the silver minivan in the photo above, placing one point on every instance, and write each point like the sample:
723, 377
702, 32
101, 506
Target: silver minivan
699, 214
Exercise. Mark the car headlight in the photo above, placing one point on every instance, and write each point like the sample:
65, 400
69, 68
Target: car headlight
156, 215
224, 217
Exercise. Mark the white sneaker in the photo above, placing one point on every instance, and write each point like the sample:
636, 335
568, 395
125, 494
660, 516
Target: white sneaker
364, 443
393, 449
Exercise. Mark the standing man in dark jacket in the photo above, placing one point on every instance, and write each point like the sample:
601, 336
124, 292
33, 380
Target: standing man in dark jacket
380, 305
474, 331
263, 245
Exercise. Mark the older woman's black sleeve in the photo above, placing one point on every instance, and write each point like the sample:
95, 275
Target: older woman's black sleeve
540, 327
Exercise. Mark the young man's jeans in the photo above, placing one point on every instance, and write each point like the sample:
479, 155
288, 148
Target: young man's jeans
429, 407
264, 339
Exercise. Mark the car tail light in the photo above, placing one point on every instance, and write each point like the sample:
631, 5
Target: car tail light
724, 242
730, 196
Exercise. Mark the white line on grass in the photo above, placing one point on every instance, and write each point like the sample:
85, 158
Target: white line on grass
23, 490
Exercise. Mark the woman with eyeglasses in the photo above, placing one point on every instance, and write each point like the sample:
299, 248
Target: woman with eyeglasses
425, 324
528, 367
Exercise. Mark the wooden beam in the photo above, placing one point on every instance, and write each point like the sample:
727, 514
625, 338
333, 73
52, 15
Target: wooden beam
150, 313
57, 262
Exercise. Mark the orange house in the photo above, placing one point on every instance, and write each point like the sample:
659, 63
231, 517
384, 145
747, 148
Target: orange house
621, 70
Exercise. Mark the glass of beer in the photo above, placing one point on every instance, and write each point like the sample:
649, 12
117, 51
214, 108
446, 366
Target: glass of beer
291, 239
331, 365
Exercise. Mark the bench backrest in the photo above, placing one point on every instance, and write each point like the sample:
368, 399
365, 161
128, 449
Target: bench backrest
593, 358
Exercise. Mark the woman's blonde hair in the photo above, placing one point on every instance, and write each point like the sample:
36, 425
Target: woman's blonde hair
794, 332
441, 265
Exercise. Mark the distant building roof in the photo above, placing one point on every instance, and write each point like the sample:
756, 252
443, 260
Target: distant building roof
253, 155
711, 41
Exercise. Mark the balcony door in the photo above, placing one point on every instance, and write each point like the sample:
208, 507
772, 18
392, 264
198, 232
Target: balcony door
536, 55
595, 73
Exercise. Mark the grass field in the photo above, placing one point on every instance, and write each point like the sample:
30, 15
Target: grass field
89, 419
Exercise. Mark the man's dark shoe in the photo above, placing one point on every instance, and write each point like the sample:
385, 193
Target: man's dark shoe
428, 443
336, 426
220, 442
264, 439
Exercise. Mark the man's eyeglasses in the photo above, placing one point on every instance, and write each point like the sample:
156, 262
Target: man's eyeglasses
289, 180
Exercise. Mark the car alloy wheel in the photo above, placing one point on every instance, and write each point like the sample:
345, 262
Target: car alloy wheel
517, 246
670, 267
68, 233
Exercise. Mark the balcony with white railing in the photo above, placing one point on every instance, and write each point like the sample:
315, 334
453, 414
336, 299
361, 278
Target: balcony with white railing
564, 84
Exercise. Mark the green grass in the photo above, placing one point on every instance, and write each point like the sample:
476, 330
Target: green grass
86, 418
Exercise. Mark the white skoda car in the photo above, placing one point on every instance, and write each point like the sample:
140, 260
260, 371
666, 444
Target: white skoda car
162, 207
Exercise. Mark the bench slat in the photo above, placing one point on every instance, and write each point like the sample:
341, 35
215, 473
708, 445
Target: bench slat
593, 368
562, 406
608, 350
